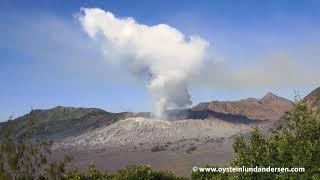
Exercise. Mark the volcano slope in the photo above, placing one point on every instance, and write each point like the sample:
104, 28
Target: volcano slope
200, 135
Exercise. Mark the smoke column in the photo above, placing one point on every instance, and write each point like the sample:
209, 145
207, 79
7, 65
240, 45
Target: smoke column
160, 53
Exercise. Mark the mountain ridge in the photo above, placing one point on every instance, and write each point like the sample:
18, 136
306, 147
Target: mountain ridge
61, 122
313, 101
188, 135
269, 107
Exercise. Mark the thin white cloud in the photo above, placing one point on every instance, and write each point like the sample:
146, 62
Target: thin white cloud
278, 70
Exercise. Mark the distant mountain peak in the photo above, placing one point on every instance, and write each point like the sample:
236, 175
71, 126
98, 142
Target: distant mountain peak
269, 107
315, 93
270, 96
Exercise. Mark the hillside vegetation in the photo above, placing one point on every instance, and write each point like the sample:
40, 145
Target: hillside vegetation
294, 142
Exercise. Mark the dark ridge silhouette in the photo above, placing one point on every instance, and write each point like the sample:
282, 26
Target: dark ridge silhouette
207, 114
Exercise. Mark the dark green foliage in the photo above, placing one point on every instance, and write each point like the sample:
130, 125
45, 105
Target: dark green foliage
92, 174
295, 142
141, 172
210, 175
25, 156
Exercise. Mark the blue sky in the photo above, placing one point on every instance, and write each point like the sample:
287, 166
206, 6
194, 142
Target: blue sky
47, 60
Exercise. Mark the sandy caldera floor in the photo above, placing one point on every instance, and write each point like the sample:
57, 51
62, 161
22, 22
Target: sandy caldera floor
179, 160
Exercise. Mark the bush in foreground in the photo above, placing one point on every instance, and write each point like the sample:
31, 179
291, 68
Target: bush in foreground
25, 156
294, 143
141, 172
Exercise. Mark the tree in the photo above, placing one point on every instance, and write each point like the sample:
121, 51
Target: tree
294, 142
25, 156
143, 172
134, 172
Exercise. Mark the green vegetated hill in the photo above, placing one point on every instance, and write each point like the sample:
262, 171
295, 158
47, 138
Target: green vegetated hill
61, 122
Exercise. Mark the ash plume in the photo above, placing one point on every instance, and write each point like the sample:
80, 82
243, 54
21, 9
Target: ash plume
160, 53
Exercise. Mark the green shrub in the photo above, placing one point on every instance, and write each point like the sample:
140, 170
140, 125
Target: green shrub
92, 174
25, 156
135, 172
142, 172
210, 175
295, 142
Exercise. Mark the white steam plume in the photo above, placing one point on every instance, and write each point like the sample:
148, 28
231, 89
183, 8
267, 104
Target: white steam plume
161, 52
